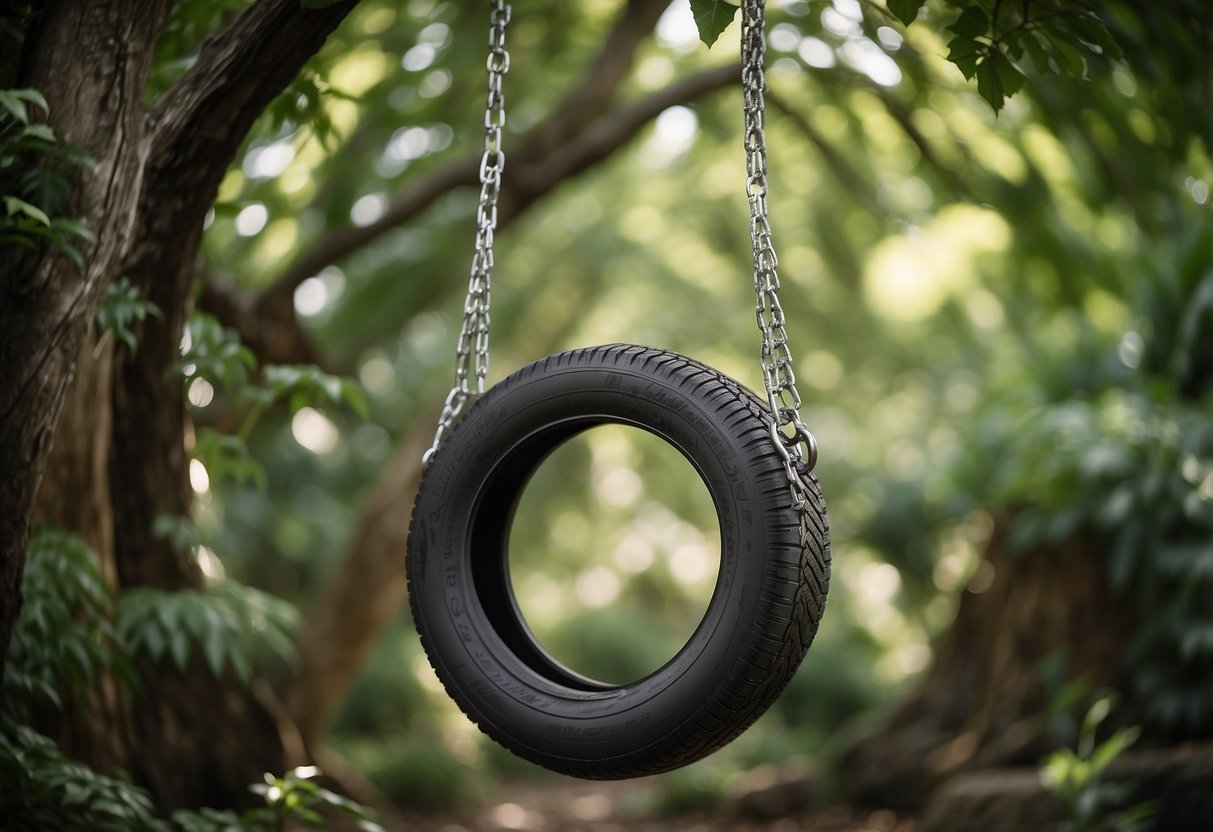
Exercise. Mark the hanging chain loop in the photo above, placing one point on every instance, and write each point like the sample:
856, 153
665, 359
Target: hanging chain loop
472, 351
789, 434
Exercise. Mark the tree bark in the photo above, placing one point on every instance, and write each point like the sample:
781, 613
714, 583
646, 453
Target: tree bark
121, 458
90, 60
979, 703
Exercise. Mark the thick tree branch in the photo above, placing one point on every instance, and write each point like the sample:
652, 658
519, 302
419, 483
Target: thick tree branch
596, 91
527, 182
581, 107
420, 195
523, 185
238, 73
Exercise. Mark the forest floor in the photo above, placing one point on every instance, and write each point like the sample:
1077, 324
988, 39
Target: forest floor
623, 807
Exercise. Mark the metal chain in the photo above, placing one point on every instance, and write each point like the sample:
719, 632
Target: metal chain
797, 446
474, 333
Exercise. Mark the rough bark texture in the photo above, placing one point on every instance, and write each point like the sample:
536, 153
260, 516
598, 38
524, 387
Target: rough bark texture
978, 704
121, 457
90, 60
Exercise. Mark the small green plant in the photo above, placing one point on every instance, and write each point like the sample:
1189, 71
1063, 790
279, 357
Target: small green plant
73, 629
229, 623
1076, 777
120, 309
46, 790
33, 185
291, 799
64, 638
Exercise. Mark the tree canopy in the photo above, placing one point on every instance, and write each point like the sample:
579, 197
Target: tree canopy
993, 225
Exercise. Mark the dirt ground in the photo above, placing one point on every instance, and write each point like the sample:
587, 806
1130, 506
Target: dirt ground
621, 807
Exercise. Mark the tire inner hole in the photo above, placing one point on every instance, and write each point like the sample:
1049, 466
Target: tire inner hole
614, 552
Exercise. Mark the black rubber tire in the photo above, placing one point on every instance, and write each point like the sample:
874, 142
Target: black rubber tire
764, 610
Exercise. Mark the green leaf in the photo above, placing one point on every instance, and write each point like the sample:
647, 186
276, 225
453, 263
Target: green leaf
1113, 747
906, 10
972, 23
214, 647
353, 395
82, 231
40, 132
998, 79
965, 53
16, 206
712, 17
179, 648
15, 102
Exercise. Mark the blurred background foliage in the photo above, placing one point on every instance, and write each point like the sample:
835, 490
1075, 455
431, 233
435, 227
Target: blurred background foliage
991, 315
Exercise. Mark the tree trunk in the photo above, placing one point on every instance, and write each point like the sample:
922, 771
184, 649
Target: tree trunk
90, 60
980, 701
360, 600
121, 458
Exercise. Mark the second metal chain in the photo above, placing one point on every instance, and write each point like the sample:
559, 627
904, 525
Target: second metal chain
789, 434
472, 352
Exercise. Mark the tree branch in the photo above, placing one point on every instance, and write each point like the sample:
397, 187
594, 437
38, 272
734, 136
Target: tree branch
526, 183
852, 183
575, 136
584, 103
342, 242
599, 84
522, 185
238, 73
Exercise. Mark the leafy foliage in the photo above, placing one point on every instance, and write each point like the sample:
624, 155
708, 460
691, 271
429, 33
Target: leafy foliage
228, 457
306, 384
228, 625
996, 41
64, 639
214, 352
1128, 465
46, 790
712, 17
122, 308
33, 182
293, 798
1075, 776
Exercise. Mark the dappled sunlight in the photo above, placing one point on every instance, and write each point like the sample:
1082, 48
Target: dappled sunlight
357, 71
586, 538
997, 310
314, 431
910, 277
200, 481
676, 29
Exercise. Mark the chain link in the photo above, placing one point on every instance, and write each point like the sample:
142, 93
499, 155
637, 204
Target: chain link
790, 435
472, 351
797, 446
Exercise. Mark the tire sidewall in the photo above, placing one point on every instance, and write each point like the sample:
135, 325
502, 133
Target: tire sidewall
510, 699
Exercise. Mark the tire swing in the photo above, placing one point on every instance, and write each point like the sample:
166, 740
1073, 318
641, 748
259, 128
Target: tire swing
754, 457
